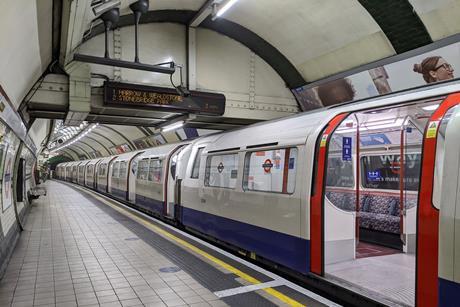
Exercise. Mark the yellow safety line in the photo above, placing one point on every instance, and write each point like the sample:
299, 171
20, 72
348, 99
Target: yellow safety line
228, 267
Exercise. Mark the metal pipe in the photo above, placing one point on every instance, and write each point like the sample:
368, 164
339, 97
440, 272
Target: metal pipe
137, 17
108, 25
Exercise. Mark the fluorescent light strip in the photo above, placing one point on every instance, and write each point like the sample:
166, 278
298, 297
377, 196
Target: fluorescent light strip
173, 126
226, 6
431, 108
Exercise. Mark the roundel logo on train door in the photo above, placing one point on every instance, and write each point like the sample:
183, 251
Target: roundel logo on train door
220, 167
267, 166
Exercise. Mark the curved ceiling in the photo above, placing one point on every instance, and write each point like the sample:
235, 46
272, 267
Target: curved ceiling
324, 37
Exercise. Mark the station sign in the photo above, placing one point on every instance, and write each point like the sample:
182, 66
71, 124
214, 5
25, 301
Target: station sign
162, 99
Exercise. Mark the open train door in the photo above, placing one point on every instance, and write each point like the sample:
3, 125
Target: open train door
427, 290
171, 191
317, 199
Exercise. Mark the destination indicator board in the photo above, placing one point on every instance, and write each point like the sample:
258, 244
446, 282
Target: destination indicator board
162, 99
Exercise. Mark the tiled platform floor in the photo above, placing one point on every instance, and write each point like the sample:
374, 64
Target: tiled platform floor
75, 252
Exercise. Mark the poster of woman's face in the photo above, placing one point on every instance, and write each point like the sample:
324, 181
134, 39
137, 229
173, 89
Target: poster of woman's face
435, 66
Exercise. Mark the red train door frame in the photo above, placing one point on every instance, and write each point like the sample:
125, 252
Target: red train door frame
427, 291
317, 199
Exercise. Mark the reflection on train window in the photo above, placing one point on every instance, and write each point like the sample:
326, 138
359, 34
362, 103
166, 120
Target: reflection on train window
196, 163
155, 170
143, 169
115, 169
383, 171
339, 173
270, 171
123, 167
222, 171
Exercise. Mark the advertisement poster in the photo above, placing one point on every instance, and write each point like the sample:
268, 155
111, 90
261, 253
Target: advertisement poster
437, 65
8, 150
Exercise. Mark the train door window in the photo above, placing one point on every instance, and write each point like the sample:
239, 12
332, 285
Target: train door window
123, 168
155, 170
270, 171
222, 171
143, 169
115, 169
196, 164
439, 160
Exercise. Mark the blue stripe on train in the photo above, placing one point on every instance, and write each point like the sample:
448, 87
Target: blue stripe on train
290, 251
149, 204
102, 188
449, 293
118, 193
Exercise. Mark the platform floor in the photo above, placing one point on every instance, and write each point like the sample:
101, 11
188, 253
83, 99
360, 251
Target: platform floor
78, 250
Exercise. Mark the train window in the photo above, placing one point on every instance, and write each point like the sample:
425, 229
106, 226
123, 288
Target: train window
90, 170
196, 164
271, 170
339, 173
222, 171
383, 171
123, 167
102, 169
115, 168
143, 169
155, 170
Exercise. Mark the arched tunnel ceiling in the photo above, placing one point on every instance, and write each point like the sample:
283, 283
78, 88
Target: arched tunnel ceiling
321, 38
105, 140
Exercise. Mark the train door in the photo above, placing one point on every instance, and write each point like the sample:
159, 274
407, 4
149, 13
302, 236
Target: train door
364, 224
132, 175
171, 195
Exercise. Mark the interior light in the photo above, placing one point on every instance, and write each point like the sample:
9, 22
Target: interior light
225, 7
104, 6
384, 124
173, 126
431, 107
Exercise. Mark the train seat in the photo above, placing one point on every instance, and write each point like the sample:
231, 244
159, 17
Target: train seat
380, 213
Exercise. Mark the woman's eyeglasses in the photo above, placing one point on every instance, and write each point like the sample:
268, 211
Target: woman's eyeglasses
446, 66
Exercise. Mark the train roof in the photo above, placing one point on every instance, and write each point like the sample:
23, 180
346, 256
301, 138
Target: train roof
161, 151
294, 130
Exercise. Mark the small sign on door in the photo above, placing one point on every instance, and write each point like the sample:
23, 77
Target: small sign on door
346, 148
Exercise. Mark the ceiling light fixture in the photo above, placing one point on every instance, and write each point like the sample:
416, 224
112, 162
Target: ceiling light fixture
105, 6
431, 108
172, 126
223, 7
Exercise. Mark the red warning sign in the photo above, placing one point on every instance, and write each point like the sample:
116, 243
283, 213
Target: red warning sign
267, 165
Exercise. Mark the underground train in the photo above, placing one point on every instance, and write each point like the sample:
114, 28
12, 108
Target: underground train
365, 196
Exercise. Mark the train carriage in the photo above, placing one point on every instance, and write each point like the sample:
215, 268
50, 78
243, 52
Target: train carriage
150, 182
363, 195
81, 177
121, 172
91, 173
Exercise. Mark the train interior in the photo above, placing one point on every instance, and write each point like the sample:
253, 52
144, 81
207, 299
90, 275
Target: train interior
371, 197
